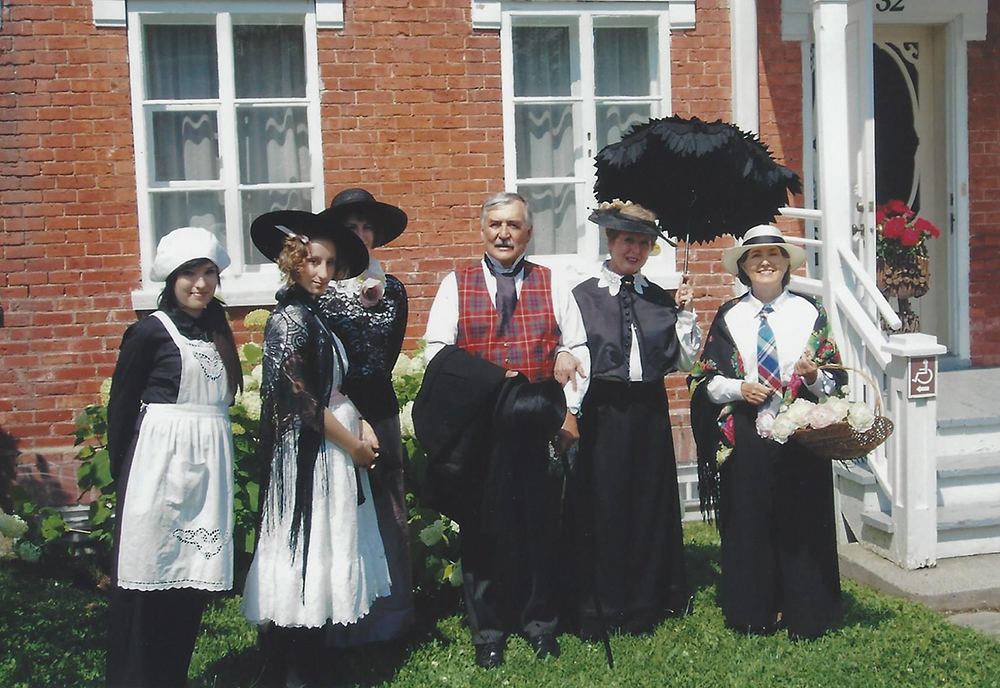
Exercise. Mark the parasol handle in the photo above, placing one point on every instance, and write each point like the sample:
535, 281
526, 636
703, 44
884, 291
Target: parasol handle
687, 251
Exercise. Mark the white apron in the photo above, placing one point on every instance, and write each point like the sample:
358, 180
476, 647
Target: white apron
177, 517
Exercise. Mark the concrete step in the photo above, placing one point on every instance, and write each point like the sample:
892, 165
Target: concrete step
968, 415
968, 529
968, 479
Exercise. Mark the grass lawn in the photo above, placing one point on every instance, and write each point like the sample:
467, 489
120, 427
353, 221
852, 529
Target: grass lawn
52, 634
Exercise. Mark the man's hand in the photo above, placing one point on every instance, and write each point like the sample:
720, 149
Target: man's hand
568, 433
567, 368
755, 393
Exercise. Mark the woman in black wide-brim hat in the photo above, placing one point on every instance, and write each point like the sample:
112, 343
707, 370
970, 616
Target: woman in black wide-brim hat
624, 515
319, 560
369, 315
772, 499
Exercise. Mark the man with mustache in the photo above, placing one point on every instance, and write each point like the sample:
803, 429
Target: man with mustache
512, 313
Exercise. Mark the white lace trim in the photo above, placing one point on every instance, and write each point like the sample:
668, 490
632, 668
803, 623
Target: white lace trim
612, 281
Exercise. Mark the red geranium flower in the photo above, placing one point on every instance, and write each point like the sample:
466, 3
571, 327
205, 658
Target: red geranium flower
894, 227
897, 207
879, 215
911, 237
923, 225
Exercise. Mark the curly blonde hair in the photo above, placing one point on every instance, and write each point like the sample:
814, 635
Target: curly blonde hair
292, 258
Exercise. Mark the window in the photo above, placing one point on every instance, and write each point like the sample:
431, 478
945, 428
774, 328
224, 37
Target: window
573, 83
226, 115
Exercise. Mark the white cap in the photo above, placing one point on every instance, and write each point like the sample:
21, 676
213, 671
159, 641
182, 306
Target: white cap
184, 244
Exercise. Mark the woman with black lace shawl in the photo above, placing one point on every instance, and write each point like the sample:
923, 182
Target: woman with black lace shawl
319, 557
772, 499
368, 313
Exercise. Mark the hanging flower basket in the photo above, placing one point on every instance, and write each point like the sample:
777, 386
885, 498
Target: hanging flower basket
904, 276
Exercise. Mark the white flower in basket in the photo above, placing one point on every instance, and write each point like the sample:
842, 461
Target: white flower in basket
803, 414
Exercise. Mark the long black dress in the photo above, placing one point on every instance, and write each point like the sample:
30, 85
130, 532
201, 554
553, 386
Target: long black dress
773, 502
623, 507
373, 337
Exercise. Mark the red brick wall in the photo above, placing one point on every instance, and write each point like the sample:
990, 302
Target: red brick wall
411, 109
984, 193
68, 242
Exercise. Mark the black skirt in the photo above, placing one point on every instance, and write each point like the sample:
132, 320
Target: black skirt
779, 539
623, 518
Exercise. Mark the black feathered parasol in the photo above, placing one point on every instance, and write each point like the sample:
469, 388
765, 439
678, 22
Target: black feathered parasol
702, 179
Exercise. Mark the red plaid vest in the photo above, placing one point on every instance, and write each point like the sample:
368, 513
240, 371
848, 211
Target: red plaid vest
533, 335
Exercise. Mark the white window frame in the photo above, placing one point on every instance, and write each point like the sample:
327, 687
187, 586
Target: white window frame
242, 285
585, 16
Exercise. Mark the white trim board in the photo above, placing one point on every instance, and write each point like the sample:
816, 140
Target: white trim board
796, 15
112, 13
486, 14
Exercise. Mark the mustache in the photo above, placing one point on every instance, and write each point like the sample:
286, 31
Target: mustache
503, 243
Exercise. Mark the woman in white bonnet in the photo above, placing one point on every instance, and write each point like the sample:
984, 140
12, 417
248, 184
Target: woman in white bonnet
171, 450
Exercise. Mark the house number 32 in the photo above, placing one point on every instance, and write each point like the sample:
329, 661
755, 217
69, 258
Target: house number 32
890, 5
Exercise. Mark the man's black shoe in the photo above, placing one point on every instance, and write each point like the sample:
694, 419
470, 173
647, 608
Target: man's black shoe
545, 645
489, 655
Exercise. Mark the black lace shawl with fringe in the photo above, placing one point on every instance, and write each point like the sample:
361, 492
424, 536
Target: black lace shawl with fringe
295, 390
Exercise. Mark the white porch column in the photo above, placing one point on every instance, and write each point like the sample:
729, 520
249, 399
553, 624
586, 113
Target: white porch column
913, 449
830, 31
746, 78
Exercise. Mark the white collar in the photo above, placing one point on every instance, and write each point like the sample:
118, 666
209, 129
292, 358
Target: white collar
756, 304
612, 281
352, 286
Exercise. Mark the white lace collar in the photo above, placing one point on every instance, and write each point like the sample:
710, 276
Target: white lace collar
612, 281
354, 285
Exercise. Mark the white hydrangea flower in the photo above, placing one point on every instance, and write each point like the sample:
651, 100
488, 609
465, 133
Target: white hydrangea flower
823, 415
28, 551
251, 402
860, 417
249, 384
258, 373
406, 421
12, 526
401, 366
782, 428
106, 391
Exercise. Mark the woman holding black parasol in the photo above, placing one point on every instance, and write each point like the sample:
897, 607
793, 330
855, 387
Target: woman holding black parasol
624, 517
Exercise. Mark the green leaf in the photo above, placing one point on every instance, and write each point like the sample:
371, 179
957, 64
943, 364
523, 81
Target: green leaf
433, 533
253, 492
52, 527
251, 353
102, 469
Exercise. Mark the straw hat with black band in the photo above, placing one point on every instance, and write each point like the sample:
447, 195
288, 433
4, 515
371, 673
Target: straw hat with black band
760, 236
388, 220
270, 230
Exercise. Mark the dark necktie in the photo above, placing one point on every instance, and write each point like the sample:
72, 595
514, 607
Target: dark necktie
506, 293
768, 370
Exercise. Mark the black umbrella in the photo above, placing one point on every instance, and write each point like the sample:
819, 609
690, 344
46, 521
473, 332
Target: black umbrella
702, 179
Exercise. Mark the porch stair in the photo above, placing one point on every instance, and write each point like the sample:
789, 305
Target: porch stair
968, 472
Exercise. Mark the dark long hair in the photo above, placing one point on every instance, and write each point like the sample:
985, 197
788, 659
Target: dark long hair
213, 319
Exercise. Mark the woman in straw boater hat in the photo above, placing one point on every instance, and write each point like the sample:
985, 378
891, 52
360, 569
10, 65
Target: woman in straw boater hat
773, 501
368, 313
319, 557
624, 512
171, 450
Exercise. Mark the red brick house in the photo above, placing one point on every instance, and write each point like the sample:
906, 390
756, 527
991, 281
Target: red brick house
122, 120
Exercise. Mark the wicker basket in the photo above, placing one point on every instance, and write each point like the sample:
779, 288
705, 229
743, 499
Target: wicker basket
840, 441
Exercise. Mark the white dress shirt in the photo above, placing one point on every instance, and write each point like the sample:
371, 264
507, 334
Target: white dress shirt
442, 325
792, 323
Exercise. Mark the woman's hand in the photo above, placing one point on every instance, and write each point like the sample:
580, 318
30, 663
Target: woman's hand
685, 294
755, 393
567, 368
364, 455
807, 370
568, 433
368, 434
